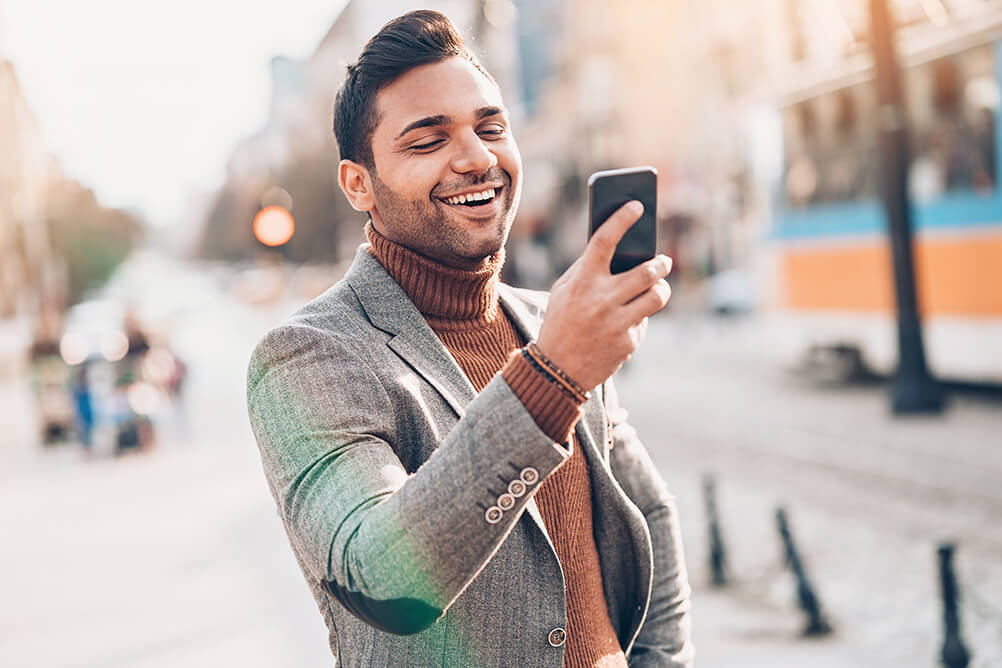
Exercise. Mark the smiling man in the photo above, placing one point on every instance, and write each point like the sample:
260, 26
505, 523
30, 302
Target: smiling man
456, 478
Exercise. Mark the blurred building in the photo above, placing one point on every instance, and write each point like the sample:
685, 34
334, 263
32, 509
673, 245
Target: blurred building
31, 274
642, 82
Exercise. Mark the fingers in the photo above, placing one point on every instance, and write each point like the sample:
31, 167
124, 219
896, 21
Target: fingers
567, 275
602, 244
638, 332
642, 277
648, 302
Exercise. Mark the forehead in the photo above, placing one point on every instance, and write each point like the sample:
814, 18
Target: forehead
452, 87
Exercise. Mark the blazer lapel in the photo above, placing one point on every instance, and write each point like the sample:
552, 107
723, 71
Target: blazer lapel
526, 320
389, 309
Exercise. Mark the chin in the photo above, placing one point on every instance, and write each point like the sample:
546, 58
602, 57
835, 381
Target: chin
495, 242
476, 254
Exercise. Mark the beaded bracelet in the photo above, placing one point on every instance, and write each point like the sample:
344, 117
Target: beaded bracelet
556, 373
540, 369
552, 378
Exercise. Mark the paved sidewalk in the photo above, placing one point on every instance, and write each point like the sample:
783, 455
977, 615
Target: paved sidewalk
18, 423
869, 498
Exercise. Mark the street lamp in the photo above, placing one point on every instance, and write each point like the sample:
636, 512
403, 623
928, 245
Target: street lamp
274, 226
913, 389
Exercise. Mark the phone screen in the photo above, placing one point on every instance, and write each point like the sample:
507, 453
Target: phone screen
609, 190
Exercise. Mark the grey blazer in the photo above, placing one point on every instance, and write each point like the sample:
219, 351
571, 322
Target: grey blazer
407, 496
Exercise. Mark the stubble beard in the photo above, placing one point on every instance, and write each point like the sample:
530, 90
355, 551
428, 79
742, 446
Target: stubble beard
426, 226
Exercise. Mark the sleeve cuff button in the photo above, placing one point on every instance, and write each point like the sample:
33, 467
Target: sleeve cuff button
516, 488
529, 475
506, 502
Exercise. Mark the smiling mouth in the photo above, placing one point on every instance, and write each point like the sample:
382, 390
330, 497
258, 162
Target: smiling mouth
474, 199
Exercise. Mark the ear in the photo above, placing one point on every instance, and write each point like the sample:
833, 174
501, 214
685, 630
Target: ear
356, 184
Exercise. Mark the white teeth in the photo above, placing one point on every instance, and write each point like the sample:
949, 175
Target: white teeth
471, 197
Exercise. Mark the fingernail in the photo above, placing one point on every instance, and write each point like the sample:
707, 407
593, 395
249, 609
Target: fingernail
635, 206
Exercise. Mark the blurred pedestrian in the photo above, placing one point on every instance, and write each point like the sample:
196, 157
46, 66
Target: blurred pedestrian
454, 473
84, 404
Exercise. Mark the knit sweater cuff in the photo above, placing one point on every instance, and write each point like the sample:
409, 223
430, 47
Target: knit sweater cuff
554, 411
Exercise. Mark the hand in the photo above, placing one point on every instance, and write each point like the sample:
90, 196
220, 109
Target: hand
595, 319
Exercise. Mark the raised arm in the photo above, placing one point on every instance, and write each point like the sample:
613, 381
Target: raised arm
395, 549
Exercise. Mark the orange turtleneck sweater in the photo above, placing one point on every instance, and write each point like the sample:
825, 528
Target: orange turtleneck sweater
462, 308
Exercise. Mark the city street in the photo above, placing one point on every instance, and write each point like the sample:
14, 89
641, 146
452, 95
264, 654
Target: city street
176, 557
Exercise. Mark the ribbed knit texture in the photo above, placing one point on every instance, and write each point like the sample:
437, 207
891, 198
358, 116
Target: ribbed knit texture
462, 308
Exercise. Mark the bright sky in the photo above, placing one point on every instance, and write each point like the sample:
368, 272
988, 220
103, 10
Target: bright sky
144, 101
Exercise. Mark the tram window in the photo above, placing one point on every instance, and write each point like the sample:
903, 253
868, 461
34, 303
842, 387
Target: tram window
953, 106
830, 147
846, 115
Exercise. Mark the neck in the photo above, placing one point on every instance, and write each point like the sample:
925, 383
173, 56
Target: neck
439, 291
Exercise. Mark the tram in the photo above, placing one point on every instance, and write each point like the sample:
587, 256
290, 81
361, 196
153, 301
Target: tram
830, 255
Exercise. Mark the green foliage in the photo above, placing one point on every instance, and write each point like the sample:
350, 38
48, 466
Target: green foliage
91, 239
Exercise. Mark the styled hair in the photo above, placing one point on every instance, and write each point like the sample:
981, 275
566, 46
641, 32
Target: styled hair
416, 38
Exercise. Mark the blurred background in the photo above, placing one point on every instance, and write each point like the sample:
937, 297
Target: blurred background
168, 193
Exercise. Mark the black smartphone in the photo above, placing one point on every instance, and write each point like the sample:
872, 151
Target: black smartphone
611, 189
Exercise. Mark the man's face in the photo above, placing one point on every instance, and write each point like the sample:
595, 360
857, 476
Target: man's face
447, 174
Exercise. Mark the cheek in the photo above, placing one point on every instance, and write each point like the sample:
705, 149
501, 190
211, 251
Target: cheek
511, 160
407, 185
419, 180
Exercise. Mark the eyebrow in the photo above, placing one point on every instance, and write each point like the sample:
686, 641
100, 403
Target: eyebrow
444, 119
426, 122
484, 112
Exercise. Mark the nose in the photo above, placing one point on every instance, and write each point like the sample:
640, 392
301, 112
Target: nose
473, 155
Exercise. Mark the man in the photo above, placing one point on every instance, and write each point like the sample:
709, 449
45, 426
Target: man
452, 468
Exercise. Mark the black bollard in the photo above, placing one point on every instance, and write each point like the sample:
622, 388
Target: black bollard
718, 557
817, 623
954, 653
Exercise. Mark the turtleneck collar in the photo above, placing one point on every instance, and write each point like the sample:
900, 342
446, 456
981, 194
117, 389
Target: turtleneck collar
448, 296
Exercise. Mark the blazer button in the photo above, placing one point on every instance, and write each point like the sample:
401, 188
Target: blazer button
493, 515
557, 637
516, 488
529, 475
506, 502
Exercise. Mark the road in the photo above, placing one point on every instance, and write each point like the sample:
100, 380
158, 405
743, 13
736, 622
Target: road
176, 557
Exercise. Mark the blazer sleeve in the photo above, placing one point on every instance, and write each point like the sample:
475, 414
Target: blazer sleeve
665, 639
395, 549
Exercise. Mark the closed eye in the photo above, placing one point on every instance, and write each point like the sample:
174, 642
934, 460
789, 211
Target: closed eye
493, 131
427, 146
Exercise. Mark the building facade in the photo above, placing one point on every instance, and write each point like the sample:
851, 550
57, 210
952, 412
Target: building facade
31, 275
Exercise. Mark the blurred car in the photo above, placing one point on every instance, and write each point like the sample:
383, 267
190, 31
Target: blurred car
731, 292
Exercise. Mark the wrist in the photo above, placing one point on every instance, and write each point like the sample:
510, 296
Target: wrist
555, 373
566, 364
551, 406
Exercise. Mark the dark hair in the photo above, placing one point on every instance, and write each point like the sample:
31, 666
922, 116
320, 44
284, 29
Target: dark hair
416, 38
